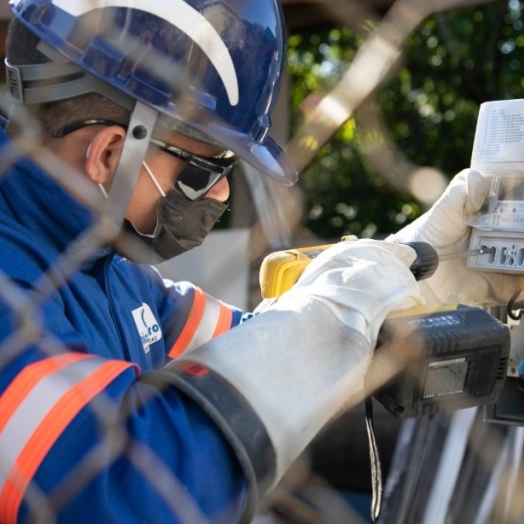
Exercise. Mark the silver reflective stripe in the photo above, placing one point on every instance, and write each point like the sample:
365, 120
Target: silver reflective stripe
181, 15
35, 407
208, 317
207, 324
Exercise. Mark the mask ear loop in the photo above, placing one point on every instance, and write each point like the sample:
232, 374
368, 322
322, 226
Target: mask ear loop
153, 178
104, 192
101, 186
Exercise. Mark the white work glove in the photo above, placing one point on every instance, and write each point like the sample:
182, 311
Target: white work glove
335, 278
300, 361
444, 227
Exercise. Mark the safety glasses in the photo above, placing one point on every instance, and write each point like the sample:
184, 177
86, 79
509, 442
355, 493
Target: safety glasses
199, 174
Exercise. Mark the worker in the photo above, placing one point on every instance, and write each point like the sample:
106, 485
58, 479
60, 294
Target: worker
125, 397
147, 106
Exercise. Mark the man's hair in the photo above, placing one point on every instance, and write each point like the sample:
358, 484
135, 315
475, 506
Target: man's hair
21, 49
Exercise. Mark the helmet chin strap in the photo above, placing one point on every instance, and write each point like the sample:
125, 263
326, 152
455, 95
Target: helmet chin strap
141, 125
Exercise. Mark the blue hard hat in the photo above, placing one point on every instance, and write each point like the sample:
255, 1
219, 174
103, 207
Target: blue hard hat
211, 68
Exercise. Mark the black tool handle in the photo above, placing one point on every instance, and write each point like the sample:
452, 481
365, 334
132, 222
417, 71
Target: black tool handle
427, 260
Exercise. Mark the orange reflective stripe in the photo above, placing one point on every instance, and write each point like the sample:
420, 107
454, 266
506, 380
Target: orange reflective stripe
56, 417
26, 380
192, 324
224, 321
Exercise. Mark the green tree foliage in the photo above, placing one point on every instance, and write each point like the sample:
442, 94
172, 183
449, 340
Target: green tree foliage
452, 63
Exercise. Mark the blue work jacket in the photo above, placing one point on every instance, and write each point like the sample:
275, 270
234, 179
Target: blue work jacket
87, 432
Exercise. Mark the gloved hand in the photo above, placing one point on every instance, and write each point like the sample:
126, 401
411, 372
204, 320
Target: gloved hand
334, 277
302, 359
444, 227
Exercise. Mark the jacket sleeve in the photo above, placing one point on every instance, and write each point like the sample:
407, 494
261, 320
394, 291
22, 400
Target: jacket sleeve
189, 316
86, 439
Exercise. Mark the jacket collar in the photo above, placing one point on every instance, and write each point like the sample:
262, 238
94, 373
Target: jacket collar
40, 204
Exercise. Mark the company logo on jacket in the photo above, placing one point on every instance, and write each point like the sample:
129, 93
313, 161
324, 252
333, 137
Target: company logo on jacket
147, 326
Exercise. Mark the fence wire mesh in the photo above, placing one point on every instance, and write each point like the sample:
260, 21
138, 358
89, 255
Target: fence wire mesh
484, 476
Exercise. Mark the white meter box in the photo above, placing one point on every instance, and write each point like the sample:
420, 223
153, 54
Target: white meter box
498, 154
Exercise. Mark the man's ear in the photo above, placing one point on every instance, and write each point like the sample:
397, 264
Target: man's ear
103, 154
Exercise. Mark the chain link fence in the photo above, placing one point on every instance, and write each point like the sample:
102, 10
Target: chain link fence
444, 469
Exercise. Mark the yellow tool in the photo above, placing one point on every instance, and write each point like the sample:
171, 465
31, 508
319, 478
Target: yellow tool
459, 353
281, 270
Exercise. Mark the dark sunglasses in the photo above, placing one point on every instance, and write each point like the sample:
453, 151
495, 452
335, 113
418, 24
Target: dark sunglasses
197, 177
